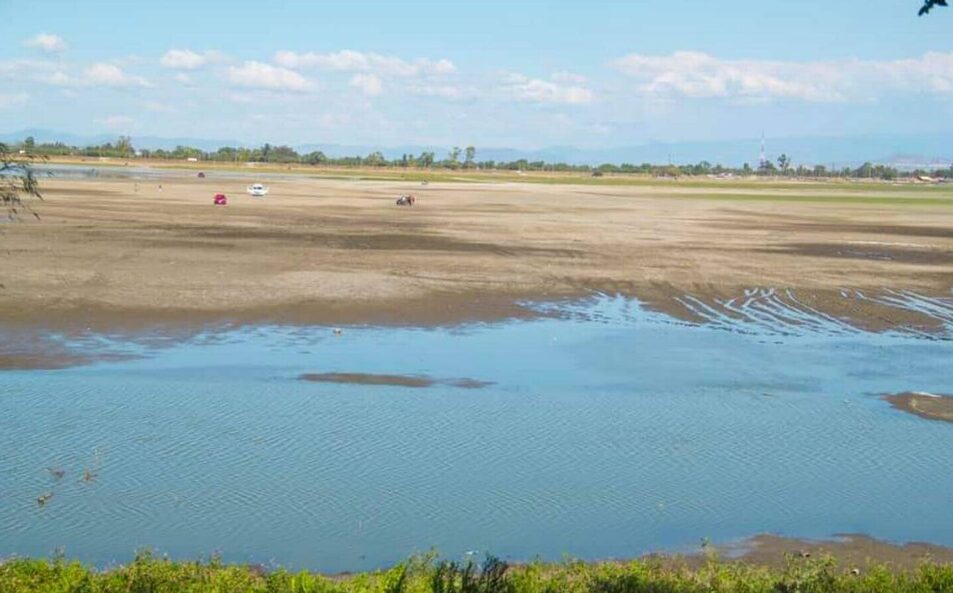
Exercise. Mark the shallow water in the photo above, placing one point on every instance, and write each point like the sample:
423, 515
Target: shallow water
608, 432
96, 170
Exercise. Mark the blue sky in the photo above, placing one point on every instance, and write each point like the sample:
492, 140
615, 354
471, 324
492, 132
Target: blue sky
517, 74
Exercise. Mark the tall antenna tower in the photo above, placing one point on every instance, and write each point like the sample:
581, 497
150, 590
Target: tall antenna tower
763, 158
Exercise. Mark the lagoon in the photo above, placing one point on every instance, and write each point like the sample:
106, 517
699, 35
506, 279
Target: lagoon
605, 430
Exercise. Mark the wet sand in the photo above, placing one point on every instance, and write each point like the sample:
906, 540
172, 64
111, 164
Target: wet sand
108, 257
925, 405
850, 551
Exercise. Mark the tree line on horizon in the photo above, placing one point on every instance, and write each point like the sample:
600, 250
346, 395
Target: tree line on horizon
465, 159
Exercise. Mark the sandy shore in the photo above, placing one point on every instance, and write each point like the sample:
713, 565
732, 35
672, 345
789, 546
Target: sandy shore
114, 254
850, 550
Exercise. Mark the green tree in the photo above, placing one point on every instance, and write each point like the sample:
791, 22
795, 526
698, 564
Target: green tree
225, 153
469, 157
375, 159
784, 163
186, 152
29, 143
315, 158
426, 159
17, 182
282, 154
124, 146
865, 170
453, 158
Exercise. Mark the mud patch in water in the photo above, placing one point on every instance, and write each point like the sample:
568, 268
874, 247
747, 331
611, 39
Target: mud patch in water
415, 381
369, 379
925, 405
469, 383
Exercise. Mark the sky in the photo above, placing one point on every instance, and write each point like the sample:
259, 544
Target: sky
490, 73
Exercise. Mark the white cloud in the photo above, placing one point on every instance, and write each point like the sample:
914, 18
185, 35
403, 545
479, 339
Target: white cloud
931, 72
46, 42
239, 98
333, 120
442, 66
8, 100
117, 122
445, 91
158, 107
370, 84
265, 76
568, 78
110, 75
100, 74
184, 79
129, 60
535, 90
58, 78
26, 69
186, 59
699, 75
355, 61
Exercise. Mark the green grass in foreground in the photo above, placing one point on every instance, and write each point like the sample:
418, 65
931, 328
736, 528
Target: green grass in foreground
148, 574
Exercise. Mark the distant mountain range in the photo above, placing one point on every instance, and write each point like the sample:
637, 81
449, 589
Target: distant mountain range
901, 150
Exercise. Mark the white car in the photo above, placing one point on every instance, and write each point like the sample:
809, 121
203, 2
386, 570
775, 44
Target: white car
257, 190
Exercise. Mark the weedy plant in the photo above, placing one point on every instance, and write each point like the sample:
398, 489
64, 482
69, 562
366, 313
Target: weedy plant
151, 574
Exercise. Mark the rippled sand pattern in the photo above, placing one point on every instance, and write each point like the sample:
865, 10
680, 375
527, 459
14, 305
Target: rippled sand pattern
783, 312
609, 431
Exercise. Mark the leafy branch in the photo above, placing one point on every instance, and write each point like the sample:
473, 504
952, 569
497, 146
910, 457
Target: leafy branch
18, 183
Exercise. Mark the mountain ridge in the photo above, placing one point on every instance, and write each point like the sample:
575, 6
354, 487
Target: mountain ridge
906, 150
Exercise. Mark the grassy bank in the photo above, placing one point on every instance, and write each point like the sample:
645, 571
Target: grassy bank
148, 574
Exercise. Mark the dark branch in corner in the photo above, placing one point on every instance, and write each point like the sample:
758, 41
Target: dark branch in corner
928, 5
